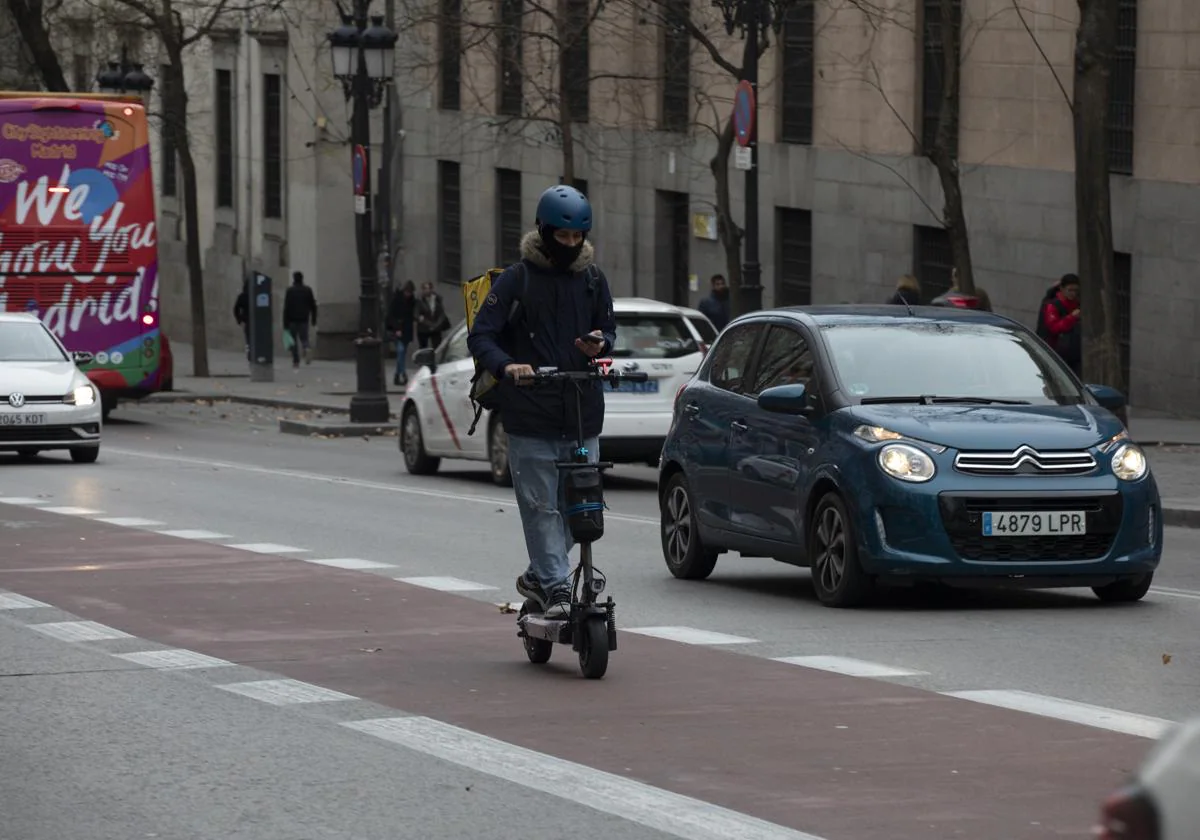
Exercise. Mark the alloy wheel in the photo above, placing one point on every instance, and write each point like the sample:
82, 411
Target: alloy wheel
412, 439
831, 549
678, 526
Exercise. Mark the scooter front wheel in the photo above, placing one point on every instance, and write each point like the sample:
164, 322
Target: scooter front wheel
593, 648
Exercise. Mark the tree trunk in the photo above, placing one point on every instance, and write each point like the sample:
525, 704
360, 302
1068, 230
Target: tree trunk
1095, 47
727, 230
178, 124
27, 15
954, 218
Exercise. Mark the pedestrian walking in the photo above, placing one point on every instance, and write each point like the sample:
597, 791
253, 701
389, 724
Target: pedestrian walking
399, 323
1061, 316
432, 320
299, 309
716, 306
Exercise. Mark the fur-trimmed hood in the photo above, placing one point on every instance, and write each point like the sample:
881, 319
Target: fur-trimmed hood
531, 250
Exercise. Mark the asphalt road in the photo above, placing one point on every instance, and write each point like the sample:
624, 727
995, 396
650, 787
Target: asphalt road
226, 470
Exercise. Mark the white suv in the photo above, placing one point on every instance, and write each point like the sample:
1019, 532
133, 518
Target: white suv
667, 342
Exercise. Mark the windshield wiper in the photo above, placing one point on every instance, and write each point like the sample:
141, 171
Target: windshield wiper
930, 399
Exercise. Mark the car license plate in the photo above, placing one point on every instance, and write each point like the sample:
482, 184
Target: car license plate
1046, 523
650, 386
22, 419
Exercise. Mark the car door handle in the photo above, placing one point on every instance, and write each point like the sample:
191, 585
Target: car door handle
691, 408
739, 426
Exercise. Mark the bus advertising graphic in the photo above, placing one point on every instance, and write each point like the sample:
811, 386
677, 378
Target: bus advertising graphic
78, 239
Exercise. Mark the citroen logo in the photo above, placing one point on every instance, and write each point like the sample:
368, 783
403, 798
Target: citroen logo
16, 400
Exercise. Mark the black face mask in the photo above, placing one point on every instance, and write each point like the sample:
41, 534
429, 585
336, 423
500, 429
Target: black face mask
721, 294
562, 256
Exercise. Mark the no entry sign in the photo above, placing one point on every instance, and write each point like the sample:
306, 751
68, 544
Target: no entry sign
743, 113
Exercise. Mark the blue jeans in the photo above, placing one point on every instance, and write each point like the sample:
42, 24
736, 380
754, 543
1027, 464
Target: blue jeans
541, 498
401, 351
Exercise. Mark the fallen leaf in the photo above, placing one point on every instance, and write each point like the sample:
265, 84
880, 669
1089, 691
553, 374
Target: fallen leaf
1166, 659
370, 650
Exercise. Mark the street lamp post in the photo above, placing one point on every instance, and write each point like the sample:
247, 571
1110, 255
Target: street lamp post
754, 18
364, 61
125, 76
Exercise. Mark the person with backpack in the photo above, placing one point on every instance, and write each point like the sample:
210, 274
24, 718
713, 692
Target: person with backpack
553, 308
1041, 330
1060, 315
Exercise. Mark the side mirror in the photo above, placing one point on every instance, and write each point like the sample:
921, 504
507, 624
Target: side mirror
1110, 398
426, 357
785, 399
83, 357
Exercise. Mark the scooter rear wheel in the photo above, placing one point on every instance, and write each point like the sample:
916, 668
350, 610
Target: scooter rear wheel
538, 650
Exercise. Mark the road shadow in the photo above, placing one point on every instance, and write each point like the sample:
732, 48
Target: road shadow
613, 480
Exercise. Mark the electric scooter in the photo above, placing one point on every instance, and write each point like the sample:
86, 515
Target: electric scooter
590, 628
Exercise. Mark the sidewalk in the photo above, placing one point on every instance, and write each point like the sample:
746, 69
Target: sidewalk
327, 386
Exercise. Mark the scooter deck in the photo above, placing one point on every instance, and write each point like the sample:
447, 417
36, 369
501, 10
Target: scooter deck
556, 630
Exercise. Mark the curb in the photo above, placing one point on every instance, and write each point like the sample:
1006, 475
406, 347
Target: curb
1181, 517
336, 429
265, 402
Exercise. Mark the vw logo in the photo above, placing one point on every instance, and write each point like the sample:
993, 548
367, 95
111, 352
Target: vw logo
16, 400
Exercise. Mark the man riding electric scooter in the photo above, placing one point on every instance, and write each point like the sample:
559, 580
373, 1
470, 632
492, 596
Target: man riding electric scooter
563, 320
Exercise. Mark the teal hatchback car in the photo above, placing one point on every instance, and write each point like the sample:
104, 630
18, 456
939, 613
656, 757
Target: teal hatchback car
881, 444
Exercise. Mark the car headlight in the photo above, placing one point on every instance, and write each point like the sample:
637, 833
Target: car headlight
876, 434
1129, 462
83, 395
907, 463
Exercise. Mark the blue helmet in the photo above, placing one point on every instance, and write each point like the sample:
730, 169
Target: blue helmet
564, 207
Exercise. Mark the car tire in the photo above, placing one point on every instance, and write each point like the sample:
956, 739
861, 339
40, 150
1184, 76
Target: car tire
412, 445
498, 453
1126, 590
837, 575
686, 556
85, 454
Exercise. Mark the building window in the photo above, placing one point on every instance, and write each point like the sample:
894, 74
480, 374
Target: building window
449, 223
512, 74
509, 217
933, 75
450, 34
672, 237
1120, 108
793, 257
576, 60
933, 260
797, 38
1123, 282
675, 108
272, 146
224, 138
167, 157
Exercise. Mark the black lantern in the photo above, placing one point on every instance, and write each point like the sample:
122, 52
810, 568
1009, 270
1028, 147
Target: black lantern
124, 77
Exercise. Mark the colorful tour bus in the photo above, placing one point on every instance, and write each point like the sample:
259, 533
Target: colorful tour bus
78, 239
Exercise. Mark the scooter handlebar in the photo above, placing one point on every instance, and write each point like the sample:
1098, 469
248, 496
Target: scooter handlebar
600, 369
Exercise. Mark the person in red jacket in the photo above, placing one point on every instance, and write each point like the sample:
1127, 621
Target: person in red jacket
1061, 316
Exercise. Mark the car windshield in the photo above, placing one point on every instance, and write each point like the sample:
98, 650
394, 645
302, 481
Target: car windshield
653, 337
28, 342
979, 362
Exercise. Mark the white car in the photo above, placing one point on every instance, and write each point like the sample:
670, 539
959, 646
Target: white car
46, 401
1158, 802
667, 342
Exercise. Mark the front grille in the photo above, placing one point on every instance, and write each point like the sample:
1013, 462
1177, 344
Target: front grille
962, 516
1025, 460
49, 434
32, 400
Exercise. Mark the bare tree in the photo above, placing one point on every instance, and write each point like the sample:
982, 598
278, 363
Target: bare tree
525, 67
30, 18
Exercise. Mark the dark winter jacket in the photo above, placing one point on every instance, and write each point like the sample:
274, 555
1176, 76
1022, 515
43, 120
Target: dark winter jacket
557, 308
400, 316
715, 310
902, 296
299, 305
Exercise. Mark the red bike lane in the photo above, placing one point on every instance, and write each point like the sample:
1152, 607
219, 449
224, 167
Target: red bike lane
838, 756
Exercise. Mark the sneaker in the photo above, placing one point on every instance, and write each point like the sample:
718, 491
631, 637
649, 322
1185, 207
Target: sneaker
528, 587
559, 606
308, 355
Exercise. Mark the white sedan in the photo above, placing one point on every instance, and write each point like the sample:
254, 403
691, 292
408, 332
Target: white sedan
46, 401
667, 342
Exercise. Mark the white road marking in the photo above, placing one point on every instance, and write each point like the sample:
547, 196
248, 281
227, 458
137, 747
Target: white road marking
23, 500
355, 482
349, 563
192, 534
285, 692
268, 548
130, 521
1176, 593
172, 659
72, 511
654, 808
13, 601
446, 584
1115, 720
691, 635
79, 631
849, 667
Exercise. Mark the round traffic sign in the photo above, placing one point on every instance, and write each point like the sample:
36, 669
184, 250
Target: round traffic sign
743, 113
